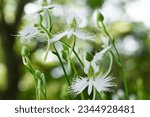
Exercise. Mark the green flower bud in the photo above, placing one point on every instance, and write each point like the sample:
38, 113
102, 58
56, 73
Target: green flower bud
89, 57
38, 74
25, 51
100, 16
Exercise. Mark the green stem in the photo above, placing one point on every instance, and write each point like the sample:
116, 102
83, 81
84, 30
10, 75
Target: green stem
119, 59
48, 48
47, 32
100, 96
73, 67
125, 82
94, 94
39, 89
50, 25
49, 35
82, 96
74, 53
66, 76
110, 65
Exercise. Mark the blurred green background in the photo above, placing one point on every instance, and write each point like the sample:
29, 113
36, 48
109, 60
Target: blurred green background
125, 19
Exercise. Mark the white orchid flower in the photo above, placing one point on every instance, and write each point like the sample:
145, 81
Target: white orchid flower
105, 42
73, 22
40, 7
101, 84
98, 57
27, 33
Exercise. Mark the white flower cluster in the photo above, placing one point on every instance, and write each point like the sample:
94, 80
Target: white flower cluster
94, 78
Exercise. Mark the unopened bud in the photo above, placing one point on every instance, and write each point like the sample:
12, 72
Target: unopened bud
37, 74
89, 57
25, 51
100, 16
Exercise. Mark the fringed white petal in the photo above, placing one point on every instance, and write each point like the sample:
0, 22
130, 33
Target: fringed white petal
104, 84
83, 35
28, 33
57, 37
78, 86
90, 85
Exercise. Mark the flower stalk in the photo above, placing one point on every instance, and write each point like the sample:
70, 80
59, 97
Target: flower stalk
119, 61
57, 54
40, 82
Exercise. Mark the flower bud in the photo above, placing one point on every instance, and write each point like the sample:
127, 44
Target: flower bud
25, 51
89, 57
37, 74
100, 16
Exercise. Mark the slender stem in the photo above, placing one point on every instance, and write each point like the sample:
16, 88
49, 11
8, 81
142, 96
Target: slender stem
48, 20
49, 35
119, 59
47, 32
125, 82
100, 96
50, 25
73, 67
74, 53
78, 58
62, 65
110, 65
48, 48
94, 94
39, 89
82, 96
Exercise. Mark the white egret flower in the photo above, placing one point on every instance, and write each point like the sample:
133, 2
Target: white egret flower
101, 84
98, 57
27, 33
73, 22
106, 42
40, 6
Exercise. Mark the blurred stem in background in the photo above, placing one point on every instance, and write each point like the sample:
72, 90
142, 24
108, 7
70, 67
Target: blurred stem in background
39, 78
12, 61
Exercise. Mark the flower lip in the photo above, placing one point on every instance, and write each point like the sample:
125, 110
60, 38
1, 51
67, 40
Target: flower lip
28, 33
101, 84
